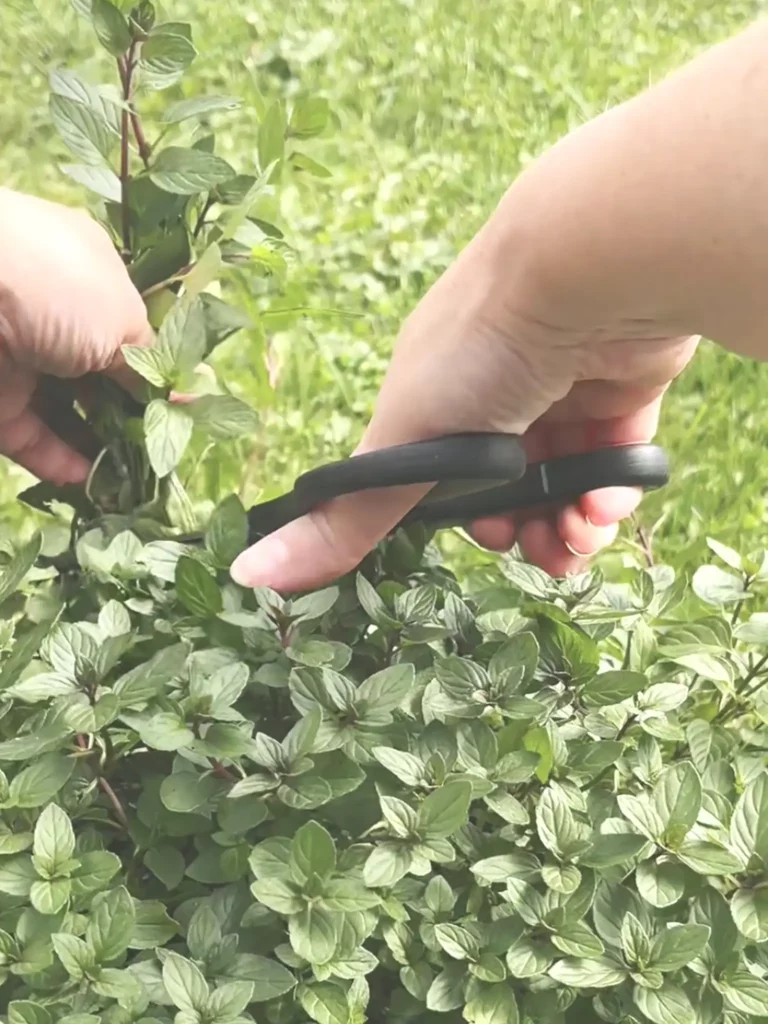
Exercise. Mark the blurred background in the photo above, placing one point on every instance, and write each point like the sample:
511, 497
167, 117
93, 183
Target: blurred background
435, 106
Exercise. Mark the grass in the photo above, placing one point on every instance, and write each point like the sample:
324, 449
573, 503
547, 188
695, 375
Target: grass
437, 105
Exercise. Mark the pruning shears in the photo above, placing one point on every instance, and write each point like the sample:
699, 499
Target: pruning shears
474, 476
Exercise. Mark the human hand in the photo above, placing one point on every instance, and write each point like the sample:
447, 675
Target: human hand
67, 306
484, 354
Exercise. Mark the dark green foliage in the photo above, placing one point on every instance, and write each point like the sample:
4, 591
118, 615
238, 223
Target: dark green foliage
397, 799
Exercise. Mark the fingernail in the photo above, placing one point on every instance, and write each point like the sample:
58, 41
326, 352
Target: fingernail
261, 565
578, 554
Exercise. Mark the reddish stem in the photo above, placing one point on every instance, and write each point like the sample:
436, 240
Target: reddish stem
107, 790
221, 772
125, 67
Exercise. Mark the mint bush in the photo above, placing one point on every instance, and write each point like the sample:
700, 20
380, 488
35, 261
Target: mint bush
400, 798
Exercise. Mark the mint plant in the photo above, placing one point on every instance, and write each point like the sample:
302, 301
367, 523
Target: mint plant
401, 798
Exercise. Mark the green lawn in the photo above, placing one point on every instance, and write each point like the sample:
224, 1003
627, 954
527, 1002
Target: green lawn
437, 105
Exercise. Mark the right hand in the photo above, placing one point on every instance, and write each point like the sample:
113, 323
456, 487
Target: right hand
483, 352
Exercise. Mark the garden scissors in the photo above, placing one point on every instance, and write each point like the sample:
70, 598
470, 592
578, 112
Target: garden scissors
474, 476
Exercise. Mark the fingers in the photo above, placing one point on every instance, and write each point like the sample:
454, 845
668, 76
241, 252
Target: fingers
561, 539
26, 439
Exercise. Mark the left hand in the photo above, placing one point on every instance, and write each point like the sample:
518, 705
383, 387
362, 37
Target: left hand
67, 305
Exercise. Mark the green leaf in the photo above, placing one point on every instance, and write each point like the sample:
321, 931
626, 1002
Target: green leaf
21, 1011
597, 973
563, 878
101, 180
447, 990
185, 984
40, 782
166, 55
110, 924
153, 926
111, 27
676, 946
566, 653
303, 162
76, 956
198, 107
166, 731
279, 895
18, 567
754, 630
309, 117
167, 864
97, 868
749, 824
699, 735
197, 589
230, 999
270, 979
151, 364
500, 868
576, 939
372, 603
439, 896
613, 688
387, 864
635, 943
667, 1005
749, 908
49, 897
167, 430
188, 172
227, 533
314, 934
115, 984
707, 858
494, 1004
325, 1003
206, 270
406, 767
312, 853
346, 896
114, 619
146, 681
85, 132
457, 942
677, 800
611, 849
223, 417
54, 843
717, 587
387, 689
445, 810
660, 883
744, 992
272, 132
181, 340
556, 825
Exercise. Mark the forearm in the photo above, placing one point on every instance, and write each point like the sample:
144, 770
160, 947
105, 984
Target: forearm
655, 215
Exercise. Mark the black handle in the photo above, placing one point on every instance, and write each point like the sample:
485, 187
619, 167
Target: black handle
557, 481
475, 475
458, 465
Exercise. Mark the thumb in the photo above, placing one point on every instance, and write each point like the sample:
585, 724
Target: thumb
329, 542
